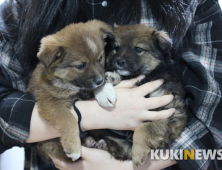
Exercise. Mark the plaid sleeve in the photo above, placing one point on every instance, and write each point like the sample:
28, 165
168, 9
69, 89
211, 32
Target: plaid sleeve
201, 72
15, 105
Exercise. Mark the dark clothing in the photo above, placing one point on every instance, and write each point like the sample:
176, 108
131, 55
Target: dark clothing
200, 64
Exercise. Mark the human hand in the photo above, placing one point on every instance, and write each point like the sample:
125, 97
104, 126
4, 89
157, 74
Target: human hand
96, 159
131, 108
92, 159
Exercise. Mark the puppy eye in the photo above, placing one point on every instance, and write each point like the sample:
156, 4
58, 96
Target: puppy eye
81, 66
58, 56
139, 50
100, 59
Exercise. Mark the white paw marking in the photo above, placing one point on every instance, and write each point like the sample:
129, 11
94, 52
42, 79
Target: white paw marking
74, 156
105, 95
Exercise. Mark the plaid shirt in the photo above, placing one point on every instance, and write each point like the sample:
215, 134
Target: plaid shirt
15, 105
200, 69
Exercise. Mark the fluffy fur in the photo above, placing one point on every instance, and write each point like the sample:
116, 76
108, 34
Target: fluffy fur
138, 50
70, 60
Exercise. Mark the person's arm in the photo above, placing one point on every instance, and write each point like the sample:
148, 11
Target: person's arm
126, 115
15, 112
95, 159
15, 105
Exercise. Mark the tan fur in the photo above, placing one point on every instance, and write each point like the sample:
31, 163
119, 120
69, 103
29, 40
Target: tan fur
155, 45
139, 36
56, 81
153, 60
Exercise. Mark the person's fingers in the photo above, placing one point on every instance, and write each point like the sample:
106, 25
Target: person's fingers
58, 163
147, 88
157, 102
131, 82
86, 152
67, 165
157, 115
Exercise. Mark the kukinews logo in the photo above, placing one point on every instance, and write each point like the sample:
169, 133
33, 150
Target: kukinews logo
192, 154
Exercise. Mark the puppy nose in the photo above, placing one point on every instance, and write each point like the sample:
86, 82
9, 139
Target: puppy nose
99, 81
121, 62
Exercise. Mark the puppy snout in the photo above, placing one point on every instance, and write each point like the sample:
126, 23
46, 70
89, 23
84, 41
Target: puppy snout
121, 62
99, 81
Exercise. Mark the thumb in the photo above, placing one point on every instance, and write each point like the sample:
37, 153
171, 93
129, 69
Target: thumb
131, 82
90, 153
86, 152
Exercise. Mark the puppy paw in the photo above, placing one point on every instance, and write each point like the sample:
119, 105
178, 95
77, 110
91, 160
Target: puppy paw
139, 155
72, 148
74, 156
112, 77
90, 142
102, 145
105, 95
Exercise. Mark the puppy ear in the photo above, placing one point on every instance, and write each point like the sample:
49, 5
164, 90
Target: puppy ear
105, 29
107, 33
108, 36
48, 54
163, 40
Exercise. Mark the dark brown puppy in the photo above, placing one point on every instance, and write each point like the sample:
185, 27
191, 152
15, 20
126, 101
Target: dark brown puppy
70, 60
141, 50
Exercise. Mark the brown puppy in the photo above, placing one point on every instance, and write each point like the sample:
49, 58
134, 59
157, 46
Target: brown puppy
70, 60
141, 50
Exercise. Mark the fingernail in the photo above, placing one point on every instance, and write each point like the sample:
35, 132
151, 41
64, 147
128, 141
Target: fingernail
161, 80
170, 95
140, 78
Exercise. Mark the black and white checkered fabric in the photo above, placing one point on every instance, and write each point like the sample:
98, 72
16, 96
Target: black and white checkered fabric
200, 69
201, 72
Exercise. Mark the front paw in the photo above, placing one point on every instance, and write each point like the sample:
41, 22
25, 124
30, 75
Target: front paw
113, 77
72, 148
105, 95
89, 142
102, 145
74, 156
139, 154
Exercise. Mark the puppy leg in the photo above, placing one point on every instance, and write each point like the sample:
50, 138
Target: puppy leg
148, 135
59, 116
176, 124
105, 95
